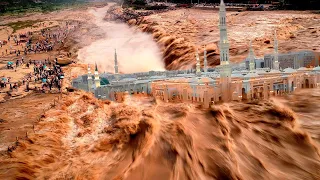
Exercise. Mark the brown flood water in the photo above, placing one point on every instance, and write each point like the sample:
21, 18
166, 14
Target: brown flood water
85, 138
18, 116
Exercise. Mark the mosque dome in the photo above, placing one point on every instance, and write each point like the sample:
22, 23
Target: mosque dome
104, 81
289, 70
316, 68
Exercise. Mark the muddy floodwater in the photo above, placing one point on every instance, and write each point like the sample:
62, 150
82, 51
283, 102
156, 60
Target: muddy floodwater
84, 138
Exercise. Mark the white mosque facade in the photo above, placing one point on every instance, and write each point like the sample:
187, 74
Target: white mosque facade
227, 82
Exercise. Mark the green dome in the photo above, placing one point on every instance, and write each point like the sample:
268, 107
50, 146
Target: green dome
104, 81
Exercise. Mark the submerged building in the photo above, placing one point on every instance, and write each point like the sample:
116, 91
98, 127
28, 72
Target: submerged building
227, 82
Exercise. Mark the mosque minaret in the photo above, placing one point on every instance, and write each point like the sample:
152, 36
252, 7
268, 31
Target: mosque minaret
276, 54
224, 43
225, 69
116, 72
198, 67
205, 63
96, 76
89, 79
251, 58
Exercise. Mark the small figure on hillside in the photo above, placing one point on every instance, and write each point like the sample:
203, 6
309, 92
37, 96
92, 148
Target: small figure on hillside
27, 86
15, 86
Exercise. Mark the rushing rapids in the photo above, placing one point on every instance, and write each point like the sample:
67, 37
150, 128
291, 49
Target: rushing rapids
142, 138
180, 32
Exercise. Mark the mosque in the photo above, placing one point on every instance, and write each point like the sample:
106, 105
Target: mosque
227, 82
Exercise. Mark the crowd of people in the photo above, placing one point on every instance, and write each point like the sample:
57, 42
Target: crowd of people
126, 14
46, 76
46, 40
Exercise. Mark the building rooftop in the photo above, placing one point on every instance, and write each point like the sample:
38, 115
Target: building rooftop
237, 75
316, 68
235, 72
260, 71
157, 77
251, 75
274, 71
128, 79
289, 70
200, 80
